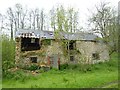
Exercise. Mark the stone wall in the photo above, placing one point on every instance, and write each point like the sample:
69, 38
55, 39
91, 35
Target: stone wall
87, 48
82, 53
17, 50
56, 49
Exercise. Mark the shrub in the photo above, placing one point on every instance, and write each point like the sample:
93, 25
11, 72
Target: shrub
63, 66
32, 67
17, 75
8, 54
13, 75
72, 66
43, 69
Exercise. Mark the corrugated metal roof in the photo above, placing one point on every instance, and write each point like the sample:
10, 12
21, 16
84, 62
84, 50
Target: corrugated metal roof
50, 35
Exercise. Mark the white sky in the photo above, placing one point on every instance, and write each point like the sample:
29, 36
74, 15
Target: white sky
81, 5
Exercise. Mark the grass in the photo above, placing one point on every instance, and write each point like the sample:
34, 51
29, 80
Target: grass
65, 79
112, 85
99, 75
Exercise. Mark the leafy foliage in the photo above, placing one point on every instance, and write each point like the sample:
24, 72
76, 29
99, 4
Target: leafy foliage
8, 54
104, 22
100, 74
32, 67
46, 42
71, 77
64, 66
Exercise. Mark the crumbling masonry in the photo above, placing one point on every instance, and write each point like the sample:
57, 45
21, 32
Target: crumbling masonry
42, 48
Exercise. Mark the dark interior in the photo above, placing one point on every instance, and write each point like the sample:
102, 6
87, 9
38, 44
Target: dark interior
72, 45
33, 59
71, 58
95, 56
29, 44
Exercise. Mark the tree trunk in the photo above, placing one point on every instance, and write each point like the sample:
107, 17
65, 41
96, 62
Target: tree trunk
11, 26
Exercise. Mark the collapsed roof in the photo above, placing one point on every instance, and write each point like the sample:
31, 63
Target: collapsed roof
51, 35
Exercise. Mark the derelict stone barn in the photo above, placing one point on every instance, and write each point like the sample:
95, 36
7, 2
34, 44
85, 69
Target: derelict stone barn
42, 48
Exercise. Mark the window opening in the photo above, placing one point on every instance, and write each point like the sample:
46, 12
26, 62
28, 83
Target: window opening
33, 59
71, 58
32, 40
95, 56
72, 45
29, 44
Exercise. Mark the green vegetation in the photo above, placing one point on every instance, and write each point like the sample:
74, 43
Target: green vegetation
71, 77
112, 86
66, 79
46, 42
8, 54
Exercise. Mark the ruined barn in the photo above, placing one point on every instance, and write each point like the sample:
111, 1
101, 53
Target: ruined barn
48, 48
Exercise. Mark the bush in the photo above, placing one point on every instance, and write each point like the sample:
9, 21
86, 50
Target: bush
79, 67
8, 54
63, 66
72, 66
17, 75
32, 67
14, 75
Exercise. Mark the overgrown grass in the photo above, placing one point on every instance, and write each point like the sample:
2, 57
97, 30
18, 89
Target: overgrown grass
64, 79
99, 75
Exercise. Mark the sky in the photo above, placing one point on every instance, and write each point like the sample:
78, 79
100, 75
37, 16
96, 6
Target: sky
81, 5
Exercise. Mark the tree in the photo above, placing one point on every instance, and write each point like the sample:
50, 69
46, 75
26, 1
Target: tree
34, 16
60, 18
113, 35
42, 19
64, 22
70, 15
103, 21
22, 18
21, 14
53, 18
11, 20
72, 19
1, 21
38, 18
30, 19
18, 8
16, 17
75, 21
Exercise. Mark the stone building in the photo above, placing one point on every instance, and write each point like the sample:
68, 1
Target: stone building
48, 48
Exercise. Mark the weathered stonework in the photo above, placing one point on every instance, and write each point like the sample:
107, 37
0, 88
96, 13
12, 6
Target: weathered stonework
82, 53
17, 50
55, 53
87, 48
